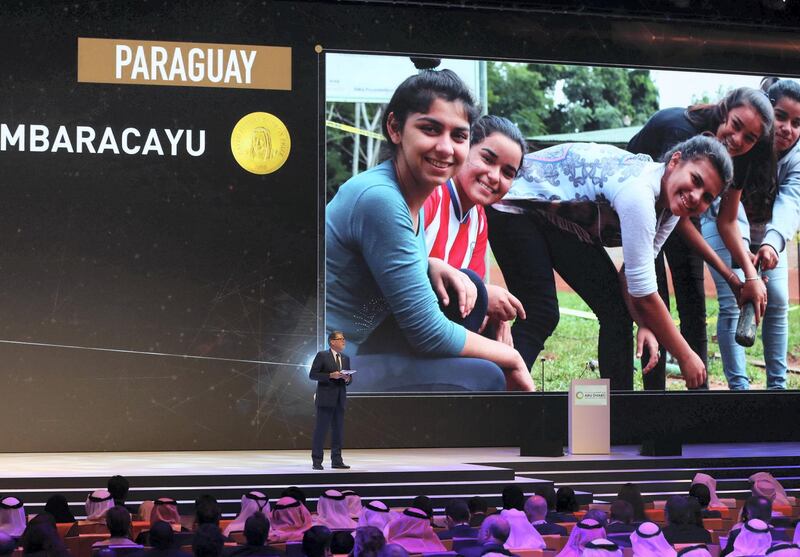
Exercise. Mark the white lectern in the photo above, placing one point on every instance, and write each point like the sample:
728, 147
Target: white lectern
589, 416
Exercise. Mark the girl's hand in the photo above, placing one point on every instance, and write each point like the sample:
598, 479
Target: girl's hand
518, 378
503, 333
503, 306
754, 291
646, 339
693, 370
444, 277
766, 257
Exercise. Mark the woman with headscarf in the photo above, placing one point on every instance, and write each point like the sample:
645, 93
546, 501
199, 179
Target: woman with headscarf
754, 539
711, 484
630, 492
412, 530
649, 541
353, 503
332, 511
375, 513
252, 503
602, 548
584, 532
41, 538
765, 485
58, 506
12, 516
290, 519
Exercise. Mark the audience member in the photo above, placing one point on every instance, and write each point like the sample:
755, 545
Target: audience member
784, 550
206, 511
256, 532
118, 487
58, 506
477, 510
754, 538
566, 505
765, 485
252, 502
457, 521
682, 526
290, 519
342, 542
423, 503
583, 532
703, 496
369, 542
317, 540
523, 535
412, 529
648, 541
492, 537
630, 493
118, 521
161, 539
145, 510
332, 510
295, 493
602, 548
7, 544
353, 503
41, 538
755, 507
375, 513
620, 519
394, 550
699, 550
600, 516
704, 479
208, 541
536, 511
166, 509
12, 516
549, 495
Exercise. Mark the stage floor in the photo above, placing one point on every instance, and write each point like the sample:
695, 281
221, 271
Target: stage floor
231, 463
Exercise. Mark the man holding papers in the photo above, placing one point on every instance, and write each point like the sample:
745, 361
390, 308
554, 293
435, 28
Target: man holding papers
327, 371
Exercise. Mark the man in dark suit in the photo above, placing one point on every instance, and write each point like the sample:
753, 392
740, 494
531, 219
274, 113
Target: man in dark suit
330, 400
256, 530
536, 511
457, 513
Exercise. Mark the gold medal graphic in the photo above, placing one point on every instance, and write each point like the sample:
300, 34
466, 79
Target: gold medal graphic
260, 143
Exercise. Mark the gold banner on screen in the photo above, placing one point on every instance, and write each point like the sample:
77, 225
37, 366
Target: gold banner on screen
235, 66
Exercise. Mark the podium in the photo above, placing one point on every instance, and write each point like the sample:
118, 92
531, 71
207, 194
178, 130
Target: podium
589, 416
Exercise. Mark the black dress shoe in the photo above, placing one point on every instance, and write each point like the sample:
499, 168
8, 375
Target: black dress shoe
316, 466
341, 466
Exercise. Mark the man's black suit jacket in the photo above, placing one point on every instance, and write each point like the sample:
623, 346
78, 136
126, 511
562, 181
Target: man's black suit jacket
330, 392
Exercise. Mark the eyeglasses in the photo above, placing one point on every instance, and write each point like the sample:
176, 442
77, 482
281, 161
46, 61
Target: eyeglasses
338, 338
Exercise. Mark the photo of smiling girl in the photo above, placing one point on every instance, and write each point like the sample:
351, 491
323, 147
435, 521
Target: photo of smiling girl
456, 230
569, 202
378, 275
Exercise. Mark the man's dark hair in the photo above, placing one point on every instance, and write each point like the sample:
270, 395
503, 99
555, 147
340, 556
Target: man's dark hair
369, 541
118, 487
295, 493
757, 507
513, 498
678, 510
342, 542
207, 510
565, 500
161, 535
477, 504
316, 540
621, 511
256, 529
457, 510
208, 541
423, 503
701, 493
118, 520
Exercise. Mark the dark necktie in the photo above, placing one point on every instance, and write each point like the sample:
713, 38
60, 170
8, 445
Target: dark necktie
339, 362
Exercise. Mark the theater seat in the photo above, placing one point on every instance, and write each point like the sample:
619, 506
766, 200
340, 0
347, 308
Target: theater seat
115, 550
528, 552
555, 542
63, 528
461, 543
655, 515
81, 546
712, 523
